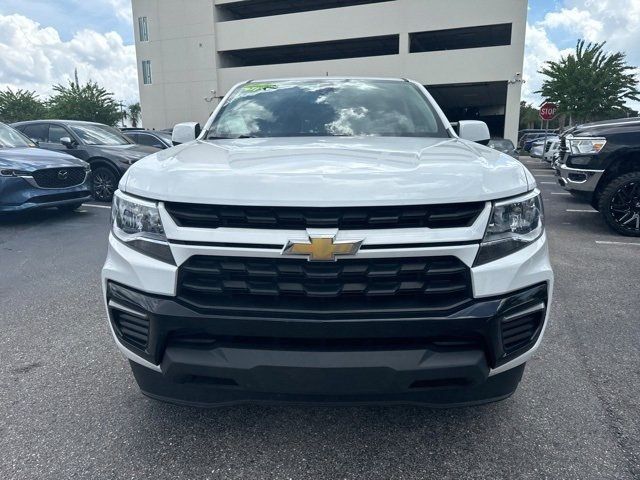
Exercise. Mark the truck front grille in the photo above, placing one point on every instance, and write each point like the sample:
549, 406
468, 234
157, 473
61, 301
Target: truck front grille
345, 218
59, 177
563, 145
307, 288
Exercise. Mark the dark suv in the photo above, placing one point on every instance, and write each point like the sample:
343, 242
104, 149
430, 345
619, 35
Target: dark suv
600, 162
107, 151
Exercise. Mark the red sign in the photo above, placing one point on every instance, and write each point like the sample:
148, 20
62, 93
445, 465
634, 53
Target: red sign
548, 111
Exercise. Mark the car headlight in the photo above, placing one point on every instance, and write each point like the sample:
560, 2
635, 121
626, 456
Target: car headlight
10, 172
137, 223
514, 224
586, 146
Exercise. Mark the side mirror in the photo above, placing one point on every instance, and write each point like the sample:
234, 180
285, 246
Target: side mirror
185, 132
474, 131
67, 142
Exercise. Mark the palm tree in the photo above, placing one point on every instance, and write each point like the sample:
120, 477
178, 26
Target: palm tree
134, 111
590, 84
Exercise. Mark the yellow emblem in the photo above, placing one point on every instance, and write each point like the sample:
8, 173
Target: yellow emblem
322, 248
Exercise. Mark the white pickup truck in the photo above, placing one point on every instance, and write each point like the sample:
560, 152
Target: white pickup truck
328, 240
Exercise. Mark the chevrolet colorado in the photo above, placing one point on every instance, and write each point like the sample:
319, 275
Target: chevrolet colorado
329, 240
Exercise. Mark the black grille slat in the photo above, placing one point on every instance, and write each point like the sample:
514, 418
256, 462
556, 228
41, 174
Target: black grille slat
438, 282
59, 177
132, 328
519, 332
563, 146
347, 218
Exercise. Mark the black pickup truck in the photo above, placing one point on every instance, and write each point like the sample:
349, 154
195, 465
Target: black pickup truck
600, 162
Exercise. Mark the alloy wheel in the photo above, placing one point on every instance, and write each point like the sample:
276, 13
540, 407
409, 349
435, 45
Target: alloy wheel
104, 185
625, 206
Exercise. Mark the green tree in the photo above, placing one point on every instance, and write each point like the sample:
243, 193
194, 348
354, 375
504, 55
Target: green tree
134, 111
529, 116
20, 105
590, 84
89, 102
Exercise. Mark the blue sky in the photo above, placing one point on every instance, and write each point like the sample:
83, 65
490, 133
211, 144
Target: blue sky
43, 41
69, 16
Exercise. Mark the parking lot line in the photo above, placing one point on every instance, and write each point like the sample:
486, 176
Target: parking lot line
96, 206
545, 176
548, 183
602, 242
582, 211
560, 193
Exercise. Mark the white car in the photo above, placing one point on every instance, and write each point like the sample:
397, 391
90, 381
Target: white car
552, 150
329, 240
546, 149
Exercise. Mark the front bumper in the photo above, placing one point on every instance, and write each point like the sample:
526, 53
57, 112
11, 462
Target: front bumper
578, 180
200, 358
17, 194
210, 359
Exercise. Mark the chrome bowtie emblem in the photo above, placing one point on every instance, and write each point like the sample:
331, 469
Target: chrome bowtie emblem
321, 248
63, 174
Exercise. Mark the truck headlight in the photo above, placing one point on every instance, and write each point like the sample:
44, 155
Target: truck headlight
514, 224
586, 146
137, 223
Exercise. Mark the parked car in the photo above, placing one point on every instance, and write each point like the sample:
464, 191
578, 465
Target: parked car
107, 150
32, 178
505, 146
151, 138
328, 240
552, 150
533, 131
537, 148
529, 139
541, 146
600, 162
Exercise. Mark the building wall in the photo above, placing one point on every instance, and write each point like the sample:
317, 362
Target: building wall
181, 48
185, 38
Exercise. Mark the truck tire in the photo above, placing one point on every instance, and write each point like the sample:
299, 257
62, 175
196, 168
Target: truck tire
105, 183
620, 204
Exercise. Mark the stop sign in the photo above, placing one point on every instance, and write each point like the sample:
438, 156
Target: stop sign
548, 111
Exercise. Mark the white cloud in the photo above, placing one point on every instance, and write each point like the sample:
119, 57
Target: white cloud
34, 57
576, 21
122, 9
538, 50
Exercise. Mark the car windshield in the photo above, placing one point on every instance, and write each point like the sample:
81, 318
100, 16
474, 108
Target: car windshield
349, 108
95, 134
11, 138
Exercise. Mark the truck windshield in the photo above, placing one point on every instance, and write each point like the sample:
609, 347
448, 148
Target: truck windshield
300, 108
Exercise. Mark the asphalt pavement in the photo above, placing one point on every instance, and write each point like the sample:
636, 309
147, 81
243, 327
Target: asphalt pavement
70, 407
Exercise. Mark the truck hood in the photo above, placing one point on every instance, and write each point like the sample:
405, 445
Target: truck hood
30, 159
341, 171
